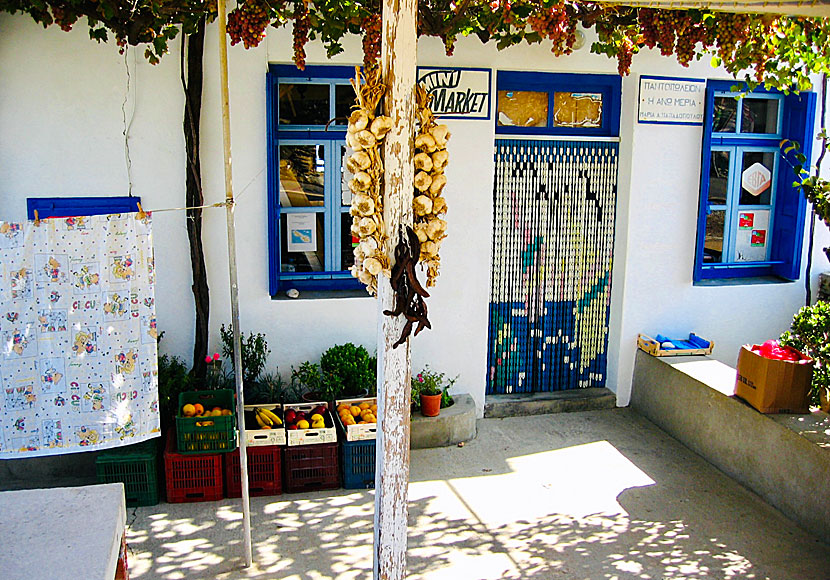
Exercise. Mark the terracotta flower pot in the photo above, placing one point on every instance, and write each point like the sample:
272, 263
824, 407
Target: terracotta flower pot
430, 405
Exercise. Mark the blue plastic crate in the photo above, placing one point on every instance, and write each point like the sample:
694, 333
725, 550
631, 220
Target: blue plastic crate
357, 460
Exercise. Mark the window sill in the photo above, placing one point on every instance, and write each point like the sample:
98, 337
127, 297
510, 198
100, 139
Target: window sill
752, 280
322, 294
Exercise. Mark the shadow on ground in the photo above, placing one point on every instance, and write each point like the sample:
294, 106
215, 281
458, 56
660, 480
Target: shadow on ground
597, 495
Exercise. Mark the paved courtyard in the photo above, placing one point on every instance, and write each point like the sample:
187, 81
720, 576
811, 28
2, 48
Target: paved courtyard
589, 496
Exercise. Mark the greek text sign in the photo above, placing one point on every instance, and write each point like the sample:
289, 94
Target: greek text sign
459, 93
672, 101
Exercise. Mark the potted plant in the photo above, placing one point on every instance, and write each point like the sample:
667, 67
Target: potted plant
809, 334
348, 371
254, 352
430, 391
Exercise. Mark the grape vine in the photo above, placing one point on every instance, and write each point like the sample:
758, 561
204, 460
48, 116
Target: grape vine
779, 51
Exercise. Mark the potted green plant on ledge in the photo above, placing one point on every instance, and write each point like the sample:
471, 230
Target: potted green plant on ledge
430, 391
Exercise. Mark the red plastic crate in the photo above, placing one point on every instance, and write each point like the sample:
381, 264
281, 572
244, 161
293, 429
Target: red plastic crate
190, 478
264, 471
311, 467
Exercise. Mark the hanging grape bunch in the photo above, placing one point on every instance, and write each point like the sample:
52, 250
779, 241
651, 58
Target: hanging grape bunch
428, 204
247, 23
372, 27
364, 137
557, 24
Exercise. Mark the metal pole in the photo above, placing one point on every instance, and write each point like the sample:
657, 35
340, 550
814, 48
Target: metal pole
398, 57
237, 349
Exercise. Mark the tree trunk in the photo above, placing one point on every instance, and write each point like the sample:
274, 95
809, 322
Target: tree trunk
392, 479
192, 76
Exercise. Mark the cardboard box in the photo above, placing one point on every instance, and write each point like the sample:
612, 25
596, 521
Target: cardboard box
773, 386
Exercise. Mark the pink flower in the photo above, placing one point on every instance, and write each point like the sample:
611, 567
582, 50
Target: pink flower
420, 378
216, 356
208, 359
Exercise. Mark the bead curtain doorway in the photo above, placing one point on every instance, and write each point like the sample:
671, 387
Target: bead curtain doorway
553, 243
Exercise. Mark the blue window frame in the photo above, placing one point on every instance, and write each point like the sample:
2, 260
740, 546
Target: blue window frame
751, 218
74, 206
530, 103
309, 226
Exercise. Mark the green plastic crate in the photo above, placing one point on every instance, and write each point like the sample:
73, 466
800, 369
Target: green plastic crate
206, 434
135, 467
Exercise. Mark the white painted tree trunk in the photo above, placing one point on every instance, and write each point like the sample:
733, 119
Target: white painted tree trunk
392, 476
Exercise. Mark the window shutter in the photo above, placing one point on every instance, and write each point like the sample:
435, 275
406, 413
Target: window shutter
790, 209
48, 207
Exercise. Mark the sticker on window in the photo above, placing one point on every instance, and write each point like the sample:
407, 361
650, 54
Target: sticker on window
756, 179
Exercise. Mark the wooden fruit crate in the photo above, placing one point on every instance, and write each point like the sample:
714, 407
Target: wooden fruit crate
694, 345
365, 432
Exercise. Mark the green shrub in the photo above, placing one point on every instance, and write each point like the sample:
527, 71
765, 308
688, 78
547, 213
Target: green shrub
173, 378
810, 333
254, 352
348, 371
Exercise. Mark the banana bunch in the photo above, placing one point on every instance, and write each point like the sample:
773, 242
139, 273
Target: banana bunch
266, 419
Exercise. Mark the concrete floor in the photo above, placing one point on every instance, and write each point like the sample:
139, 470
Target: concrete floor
590, 495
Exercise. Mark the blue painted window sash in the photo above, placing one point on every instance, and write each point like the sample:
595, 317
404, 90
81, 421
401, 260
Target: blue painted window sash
609, 86
331, 139
79, 206
791, 124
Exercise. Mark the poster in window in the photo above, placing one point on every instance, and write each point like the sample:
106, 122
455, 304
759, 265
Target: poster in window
751, 239
302, 232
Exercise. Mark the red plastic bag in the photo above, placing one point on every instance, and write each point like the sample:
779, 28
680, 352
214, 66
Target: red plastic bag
773, 350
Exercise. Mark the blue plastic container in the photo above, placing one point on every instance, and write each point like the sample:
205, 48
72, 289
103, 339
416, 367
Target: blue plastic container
357, 460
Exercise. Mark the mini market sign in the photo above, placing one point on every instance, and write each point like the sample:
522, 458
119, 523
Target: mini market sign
457, 93
674, 101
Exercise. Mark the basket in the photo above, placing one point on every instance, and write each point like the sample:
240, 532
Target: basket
357, 460
311, 467
206, 434
264, 471
135, 467
191, 478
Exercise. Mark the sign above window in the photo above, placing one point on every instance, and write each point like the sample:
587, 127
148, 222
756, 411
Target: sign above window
665, 100
457, 93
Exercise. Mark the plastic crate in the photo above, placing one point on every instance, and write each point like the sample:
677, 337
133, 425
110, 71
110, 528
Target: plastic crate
357, 460
135, 467
264, 471
191, 478
311, 467
206, 434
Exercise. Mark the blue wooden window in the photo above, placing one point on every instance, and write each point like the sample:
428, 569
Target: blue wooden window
557, 104
76, 206
309, 226
751, 218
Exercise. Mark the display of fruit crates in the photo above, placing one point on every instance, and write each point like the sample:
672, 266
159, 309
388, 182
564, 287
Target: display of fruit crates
357, 461
311, 467
215, 434
357, 432
309, 436
135, 467
264, 471
191, 478
255, 435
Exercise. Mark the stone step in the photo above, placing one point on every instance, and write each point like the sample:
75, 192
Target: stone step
522, 404
452, 425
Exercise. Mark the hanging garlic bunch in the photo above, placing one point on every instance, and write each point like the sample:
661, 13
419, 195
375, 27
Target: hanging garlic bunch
428, 203
364, 137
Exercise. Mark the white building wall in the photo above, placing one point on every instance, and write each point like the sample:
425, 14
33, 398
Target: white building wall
61, 128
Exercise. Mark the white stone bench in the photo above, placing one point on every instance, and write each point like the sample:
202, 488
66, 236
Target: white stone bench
785, 459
